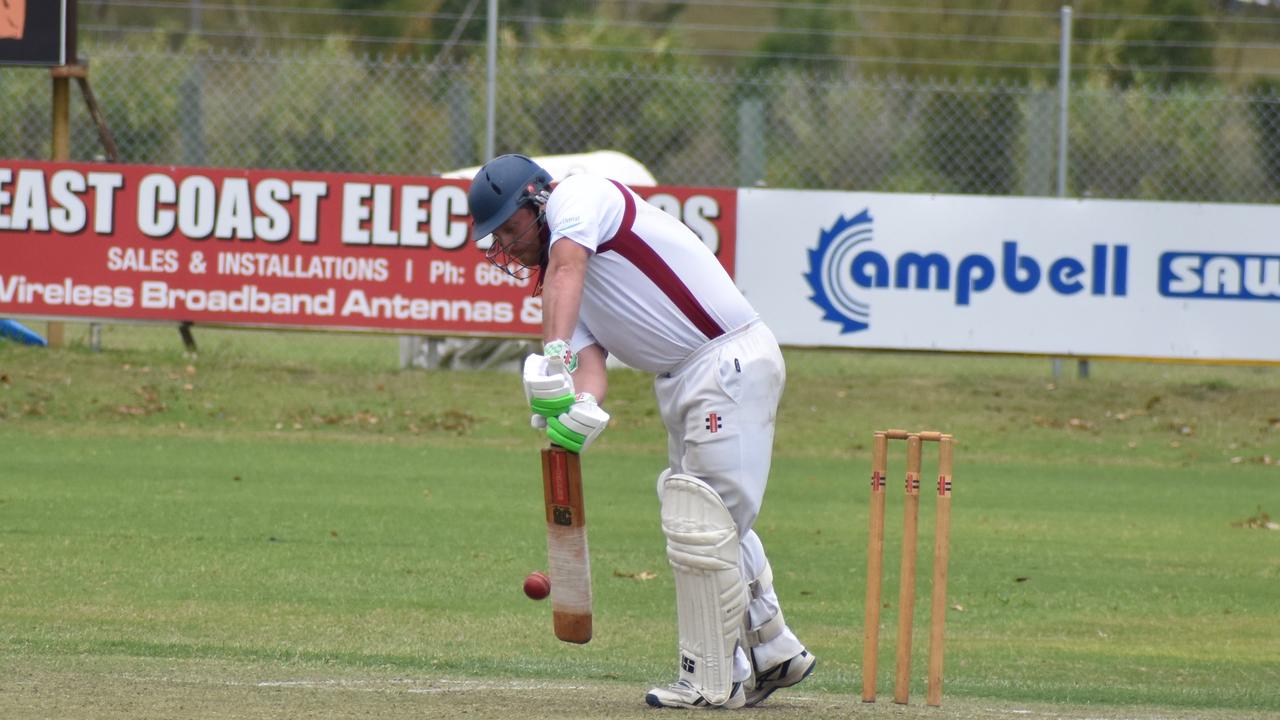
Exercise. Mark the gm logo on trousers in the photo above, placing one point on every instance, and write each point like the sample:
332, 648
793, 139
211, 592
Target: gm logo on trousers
846, 268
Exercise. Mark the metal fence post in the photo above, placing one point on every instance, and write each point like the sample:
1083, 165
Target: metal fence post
1064, 98
1040, 165
61, 146
751, 139
192, 104
1064, 114
461, 137
191, 93
491, 60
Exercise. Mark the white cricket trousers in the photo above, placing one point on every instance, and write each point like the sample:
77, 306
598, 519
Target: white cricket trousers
720, 406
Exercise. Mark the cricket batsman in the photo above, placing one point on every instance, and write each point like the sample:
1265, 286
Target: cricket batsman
621, 276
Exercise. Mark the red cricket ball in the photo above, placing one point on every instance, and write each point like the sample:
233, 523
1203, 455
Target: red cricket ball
537, 586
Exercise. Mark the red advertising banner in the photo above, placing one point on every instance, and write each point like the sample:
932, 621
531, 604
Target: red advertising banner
269, 248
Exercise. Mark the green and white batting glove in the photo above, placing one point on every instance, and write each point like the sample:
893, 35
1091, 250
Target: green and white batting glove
579, 426
560, 355
548, 391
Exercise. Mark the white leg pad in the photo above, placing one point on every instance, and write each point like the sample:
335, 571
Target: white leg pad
711, 597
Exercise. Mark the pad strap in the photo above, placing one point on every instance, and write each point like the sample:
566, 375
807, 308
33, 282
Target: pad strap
771, 629
761, 583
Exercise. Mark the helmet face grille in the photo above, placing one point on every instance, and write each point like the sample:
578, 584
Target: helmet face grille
508, 263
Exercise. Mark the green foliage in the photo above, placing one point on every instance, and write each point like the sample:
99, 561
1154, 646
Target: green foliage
327, 108
1265, 114
1003, 41
1158, 52
970, 139
142, 115
1170, 145
922, 137
800, 116
321, 128
640, 103
803, 38
24, 126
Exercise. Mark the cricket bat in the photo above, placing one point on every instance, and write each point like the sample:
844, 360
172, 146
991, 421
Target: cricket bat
568, 559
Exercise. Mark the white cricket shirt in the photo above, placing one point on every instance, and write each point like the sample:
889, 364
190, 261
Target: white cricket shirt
654, 292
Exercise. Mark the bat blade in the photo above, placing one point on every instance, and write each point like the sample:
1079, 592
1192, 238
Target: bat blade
568, 558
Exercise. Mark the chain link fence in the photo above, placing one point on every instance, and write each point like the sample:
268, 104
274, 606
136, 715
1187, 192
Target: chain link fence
327, 110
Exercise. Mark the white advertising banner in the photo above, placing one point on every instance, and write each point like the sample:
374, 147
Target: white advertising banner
1088, 278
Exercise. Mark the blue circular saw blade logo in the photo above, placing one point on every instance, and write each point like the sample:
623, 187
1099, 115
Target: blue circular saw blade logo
831, 272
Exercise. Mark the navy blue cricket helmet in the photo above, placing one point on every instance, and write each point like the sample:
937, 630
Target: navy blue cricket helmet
502, 186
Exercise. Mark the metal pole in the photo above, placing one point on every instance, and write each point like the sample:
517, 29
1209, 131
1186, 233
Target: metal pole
61, 118
61, 147
1064, 106
1064, 96
191, 92
751, 139
491, 53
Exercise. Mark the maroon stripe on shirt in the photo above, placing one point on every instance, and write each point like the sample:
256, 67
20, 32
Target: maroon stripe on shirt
639, 253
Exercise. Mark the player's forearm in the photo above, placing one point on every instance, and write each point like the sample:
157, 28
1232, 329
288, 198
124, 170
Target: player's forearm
560, 302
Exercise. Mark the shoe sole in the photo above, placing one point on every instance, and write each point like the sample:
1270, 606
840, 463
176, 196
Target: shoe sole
652, 700
772, 690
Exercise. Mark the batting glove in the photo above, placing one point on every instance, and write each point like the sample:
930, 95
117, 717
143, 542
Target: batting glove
548, 392
558, 351
579, 426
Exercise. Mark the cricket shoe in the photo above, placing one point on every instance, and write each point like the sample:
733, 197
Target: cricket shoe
682, 694
784, 674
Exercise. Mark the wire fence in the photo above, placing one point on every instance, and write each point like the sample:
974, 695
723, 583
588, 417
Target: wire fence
1228, 39
323, 109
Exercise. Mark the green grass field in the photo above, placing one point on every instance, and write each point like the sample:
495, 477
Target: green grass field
289, 526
